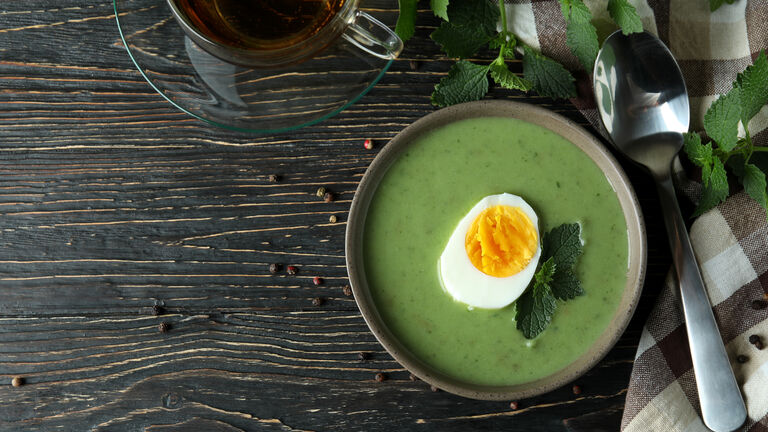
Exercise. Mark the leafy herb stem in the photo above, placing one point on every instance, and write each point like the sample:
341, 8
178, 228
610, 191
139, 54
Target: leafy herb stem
750, 147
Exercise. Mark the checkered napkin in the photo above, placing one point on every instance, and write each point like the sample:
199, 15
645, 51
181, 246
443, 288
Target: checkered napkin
730, 241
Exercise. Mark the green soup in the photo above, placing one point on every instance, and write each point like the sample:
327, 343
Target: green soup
421, 199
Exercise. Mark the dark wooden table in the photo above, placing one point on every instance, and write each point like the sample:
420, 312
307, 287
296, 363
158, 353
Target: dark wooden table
112, 202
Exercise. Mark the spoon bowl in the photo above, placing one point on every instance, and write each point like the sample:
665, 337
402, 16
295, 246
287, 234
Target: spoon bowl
642, 99
643, 102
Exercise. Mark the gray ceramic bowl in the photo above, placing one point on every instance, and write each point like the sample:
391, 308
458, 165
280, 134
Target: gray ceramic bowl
573, 133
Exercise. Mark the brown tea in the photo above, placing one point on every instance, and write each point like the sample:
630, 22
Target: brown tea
259, 24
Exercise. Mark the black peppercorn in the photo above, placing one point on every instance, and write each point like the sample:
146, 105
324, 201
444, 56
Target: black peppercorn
380, 377
317, 301
576, 389
759, 304
328, 197
274, 268
742, 358
363, 356
274, 178
347, 290
158, 310
754, 338
164, 327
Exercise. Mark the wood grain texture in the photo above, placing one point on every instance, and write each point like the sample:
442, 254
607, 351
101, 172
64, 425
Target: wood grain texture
111, 202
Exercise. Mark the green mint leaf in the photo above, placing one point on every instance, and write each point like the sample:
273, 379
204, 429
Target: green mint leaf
548, 77
565, 285
753, 88
439, 8
625, 16
459, 41
480, 13
465, 82
546, 272
505, 78
714, 188
755, 185
406, 20
472, 24
534, 310
505, 43
698, 153
563, 244
581, 35
722, 120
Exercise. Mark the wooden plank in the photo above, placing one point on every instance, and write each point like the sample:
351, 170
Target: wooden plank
112, 201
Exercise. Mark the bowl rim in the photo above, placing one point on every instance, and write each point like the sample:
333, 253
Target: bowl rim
572, 132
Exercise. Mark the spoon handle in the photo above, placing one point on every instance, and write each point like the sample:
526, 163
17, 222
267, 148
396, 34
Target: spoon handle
721, 403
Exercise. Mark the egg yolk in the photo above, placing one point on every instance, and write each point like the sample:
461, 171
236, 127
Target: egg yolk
501, 241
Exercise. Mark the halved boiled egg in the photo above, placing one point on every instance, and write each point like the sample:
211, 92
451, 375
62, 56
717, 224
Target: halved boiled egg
492, 254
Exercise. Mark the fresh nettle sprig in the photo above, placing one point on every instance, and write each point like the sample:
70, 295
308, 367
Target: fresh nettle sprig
470, 25
747, 162
715, 4
554, 280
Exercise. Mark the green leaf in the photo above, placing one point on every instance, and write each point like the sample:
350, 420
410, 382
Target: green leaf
534, 310
714, 188
459, 41
503, 77
722, 120
565, 285
625, 16
406, 20
581, 35
505, 43
465, 82
439, 8
753, 88
563, 244
548, 77
698, 153
472, 24
546, 272
755, 185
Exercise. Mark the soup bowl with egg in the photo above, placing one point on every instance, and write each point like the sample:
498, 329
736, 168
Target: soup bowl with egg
495, 249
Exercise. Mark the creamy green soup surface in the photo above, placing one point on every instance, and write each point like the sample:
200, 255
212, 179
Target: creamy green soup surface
416, 207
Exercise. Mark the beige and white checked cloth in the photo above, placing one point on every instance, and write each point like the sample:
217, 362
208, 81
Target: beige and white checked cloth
731, 241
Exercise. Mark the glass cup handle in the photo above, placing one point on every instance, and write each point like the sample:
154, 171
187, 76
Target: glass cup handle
373, 37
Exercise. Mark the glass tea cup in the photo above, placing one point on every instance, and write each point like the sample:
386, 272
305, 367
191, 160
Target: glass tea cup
348, 23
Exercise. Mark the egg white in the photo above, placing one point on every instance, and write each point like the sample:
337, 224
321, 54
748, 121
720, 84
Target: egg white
464, 282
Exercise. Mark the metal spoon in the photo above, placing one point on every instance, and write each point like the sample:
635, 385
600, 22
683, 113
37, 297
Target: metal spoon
643, 103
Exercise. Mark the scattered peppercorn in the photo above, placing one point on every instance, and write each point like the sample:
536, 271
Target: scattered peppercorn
413, 377
17, 381
363, 356
380, 377
347, 290
317, 301
759, 304
742, 358
274, 178
368, 144
328, 197
576, 389
320, 192
158, 310
434, 389
292, 270
164, 327
415, 64
317, 280
754, 338
333, 219
274, 268
513, 405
